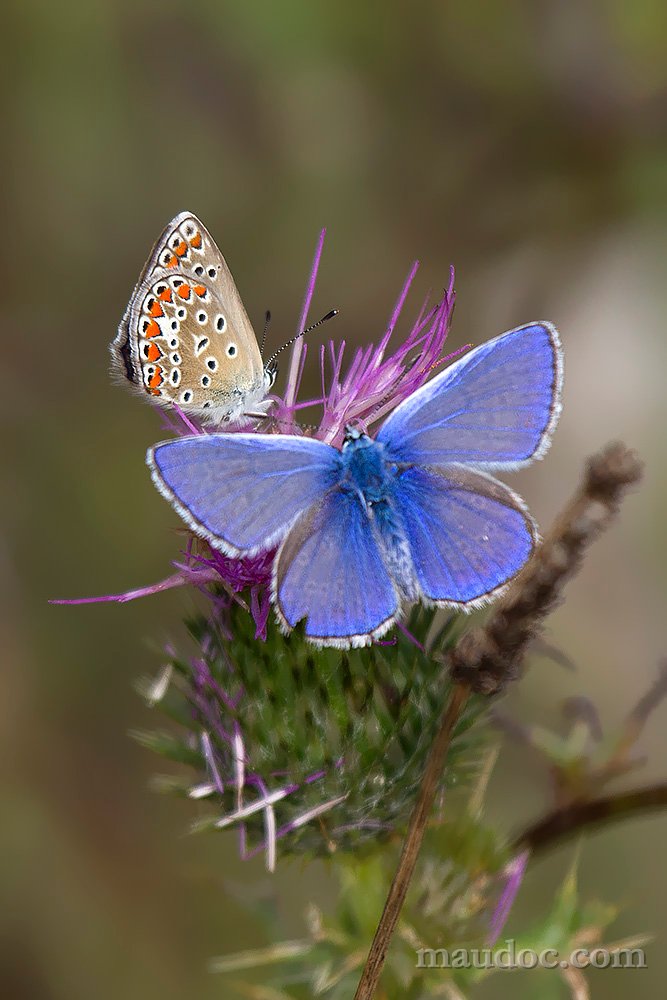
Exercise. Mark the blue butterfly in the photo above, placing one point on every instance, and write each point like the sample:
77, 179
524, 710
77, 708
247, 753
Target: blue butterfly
412, 515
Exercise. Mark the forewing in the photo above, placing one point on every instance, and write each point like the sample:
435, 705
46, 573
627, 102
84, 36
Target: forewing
495, 408
186, 337
329, 570
467, 533
242, 491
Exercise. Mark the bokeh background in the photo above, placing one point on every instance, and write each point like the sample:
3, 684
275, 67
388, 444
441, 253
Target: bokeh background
524, 142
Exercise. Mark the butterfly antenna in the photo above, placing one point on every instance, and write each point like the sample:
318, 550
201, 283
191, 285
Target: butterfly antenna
267, 321
309, 329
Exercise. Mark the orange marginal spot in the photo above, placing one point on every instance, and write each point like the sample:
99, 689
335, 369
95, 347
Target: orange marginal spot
165, 295
152, 330
200, 290
153, 352
196, 241
184, 291
181, 249
156, 379
156, 309
172, 262
155, 392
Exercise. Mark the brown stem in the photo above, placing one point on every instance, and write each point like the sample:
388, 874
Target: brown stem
415, 835
572, 819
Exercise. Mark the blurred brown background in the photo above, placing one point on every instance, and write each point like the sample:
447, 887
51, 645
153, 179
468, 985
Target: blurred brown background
527, 144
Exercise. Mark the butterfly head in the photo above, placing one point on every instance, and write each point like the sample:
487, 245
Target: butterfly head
353, 434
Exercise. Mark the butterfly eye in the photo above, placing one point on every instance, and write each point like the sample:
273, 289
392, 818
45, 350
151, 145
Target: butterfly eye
205, 381
201, 317
212, 271
176, 376
201, 345
186, 397
181, 313
173, 342
220, 323
174, 324
212, 364
176, 358
231, 351
199, 270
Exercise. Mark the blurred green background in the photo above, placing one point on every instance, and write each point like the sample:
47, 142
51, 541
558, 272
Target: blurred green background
524, 142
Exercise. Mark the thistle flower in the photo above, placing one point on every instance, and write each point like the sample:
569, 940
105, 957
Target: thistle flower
319, 751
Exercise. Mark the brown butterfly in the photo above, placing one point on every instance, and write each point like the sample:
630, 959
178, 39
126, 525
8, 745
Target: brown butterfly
185, 337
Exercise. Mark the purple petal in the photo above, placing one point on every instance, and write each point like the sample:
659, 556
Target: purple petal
294, 376
513, 874
179, 579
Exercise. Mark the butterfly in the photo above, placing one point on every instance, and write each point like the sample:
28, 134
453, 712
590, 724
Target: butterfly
414, 514
185, 337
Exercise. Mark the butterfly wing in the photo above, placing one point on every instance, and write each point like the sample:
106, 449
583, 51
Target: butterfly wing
185, 337
495, 408
467, 533
330, 571
242, 491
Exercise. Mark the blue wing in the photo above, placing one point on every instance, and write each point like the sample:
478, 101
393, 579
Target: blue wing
467, 533
495, 408
329, 570
242, 491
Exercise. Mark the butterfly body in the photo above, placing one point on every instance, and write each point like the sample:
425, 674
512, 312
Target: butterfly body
365, 469
410, 515
185, 338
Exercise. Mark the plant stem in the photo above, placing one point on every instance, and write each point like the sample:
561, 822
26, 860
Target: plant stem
416, 828
572, 819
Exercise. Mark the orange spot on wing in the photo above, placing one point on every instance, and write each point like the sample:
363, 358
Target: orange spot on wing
172, 262
165, 295
152, 330
181, 249
153, 352
155, 392
156, 380
156, 309
184, 291
200, 290
196, 241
